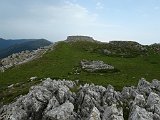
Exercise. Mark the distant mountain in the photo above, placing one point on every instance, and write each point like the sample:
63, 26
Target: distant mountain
7, 43
8, 47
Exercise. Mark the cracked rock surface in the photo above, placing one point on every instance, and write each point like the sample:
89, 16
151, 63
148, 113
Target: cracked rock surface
55, 100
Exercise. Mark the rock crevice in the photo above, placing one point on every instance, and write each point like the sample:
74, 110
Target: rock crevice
53, 100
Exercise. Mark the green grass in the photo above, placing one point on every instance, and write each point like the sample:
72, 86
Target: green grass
66, 57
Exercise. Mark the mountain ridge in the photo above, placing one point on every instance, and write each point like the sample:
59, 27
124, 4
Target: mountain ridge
15, 46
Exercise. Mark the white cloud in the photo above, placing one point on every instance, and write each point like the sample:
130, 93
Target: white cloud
99, 5
52, 21
48, 21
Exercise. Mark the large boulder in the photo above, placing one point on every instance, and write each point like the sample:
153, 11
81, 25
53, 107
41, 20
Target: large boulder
95, 66
53, 103
155, 85
144, 87
62, 112
95, 114
139, 113
112, 113
111, 96
89, 96
139, 100
153, 103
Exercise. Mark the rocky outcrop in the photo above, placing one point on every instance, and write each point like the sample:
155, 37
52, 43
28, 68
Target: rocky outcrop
62, 112
53, 100
41, 101
126, 43
95, 114
22, 57
125, 49
112, 113
139, 113
79, 38
95, 66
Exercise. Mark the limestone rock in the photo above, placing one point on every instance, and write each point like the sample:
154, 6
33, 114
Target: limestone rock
112, 113
40, 93
22, 57
63, 112
139, 113
153, 99
53, 100
156, 116
95, 114
128, 93
40, 98
153, 103
155, 85
111, 96
139, 100
33, 78
93, 66
144, 87
62, 93
13, 112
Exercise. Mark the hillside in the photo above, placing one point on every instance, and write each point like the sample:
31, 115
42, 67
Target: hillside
9, 47
7, 43
64, 63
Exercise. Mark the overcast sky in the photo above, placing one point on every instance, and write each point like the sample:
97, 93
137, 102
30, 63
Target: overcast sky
105, 20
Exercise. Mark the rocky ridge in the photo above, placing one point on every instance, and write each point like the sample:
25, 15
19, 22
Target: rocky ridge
22, 57
56, 100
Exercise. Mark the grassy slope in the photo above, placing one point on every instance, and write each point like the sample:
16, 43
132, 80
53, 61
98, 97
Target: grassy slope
60, 63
